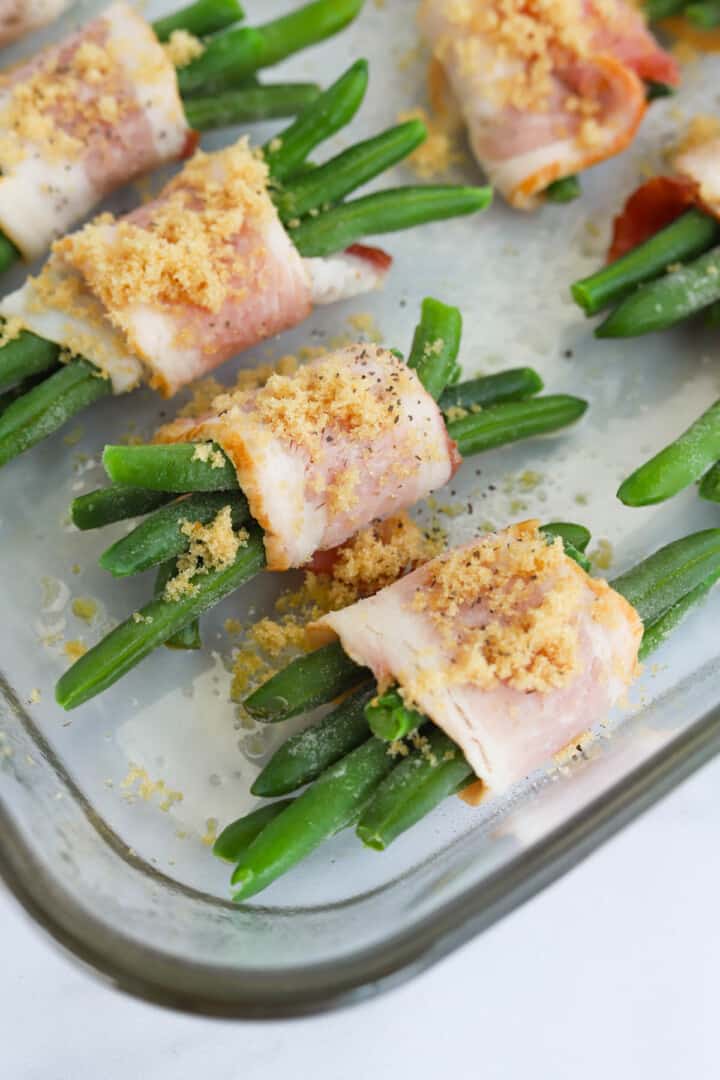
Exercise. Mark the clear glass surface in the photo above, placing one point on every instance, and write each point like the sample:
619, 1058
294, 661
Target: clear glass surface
127, 883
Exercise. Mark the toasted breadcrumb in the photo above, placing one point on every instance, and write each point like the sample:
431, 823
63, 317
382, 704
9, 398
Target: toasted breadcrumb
139, 783
529, 647
374, 558
182, 48
439, 152
10, 330
75, 649
84, 607
212, 547
209, 454
184, 254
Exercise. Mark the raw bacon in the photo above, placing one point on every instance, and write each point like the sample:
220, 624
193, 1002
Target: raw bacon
505, 644
81, 118
348, 439
546, 88
183, 283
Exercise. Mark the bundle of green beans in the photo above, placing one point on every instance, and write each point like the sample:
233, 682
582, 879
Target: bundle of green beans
310, 204
220, 88
353, 778
668, 278
149, 479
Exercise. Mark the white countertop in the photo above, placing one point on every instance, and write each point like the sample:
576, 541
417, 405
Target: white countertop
610, 973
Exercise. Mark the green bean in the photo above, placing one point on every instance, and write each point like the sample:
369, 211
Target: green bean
332, 803
658, 631
422, 780
655, 10
667, 301
9, 254
48, 406
286, 154
153, 625
233, 841
231, 57
383, 212
160, 537
563, 191
202, 18
705, 15
116, 503
249, 104
303, 757
710, 484
685, 238
514, 420
655, 90
188, 637
577, 536
510, 385
330, 182
24, 356
680, 464
171, 467
662, 580
389, 717
305, 683
436, 345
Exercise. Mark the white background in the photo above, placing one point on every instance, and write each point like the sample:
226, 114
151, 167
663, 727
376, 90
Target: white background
611, 973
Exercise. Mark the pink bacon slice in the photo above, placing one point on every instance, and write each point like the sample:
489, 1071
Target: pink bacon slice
505, 644
527, 131
348, 439
80, 119
172, 290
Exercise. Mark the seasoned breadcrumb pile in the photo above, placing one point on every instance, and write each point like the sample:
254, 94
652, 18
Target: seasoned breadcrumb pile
180, 251
504, 607
374, 558
212, 547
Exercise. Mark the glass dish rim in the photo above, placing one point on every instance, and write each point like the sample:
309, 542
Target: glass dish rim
161, 978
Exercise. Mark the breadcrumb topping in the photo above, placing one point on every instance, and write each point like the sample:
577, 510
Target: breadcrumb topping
530, 40
181, 250
182, 48
504, 608
212, 547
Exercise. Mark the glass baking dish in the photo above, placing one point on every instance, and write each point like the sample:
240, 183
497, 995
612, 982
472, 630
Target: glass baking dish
114, 865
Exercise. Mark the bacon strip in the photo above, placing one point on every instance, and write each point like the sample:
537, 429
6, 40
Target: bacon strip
80, 119
178, 286
546, 88
321, 454
18, 17
506, 644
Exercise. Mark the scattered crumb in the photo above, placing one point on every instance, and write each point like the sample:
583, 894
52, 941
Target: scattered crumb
211, 831
182, 48
364, 323
35, 696
84, 607
73, 437
139, 783
602, 556
436, 156
75, 649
